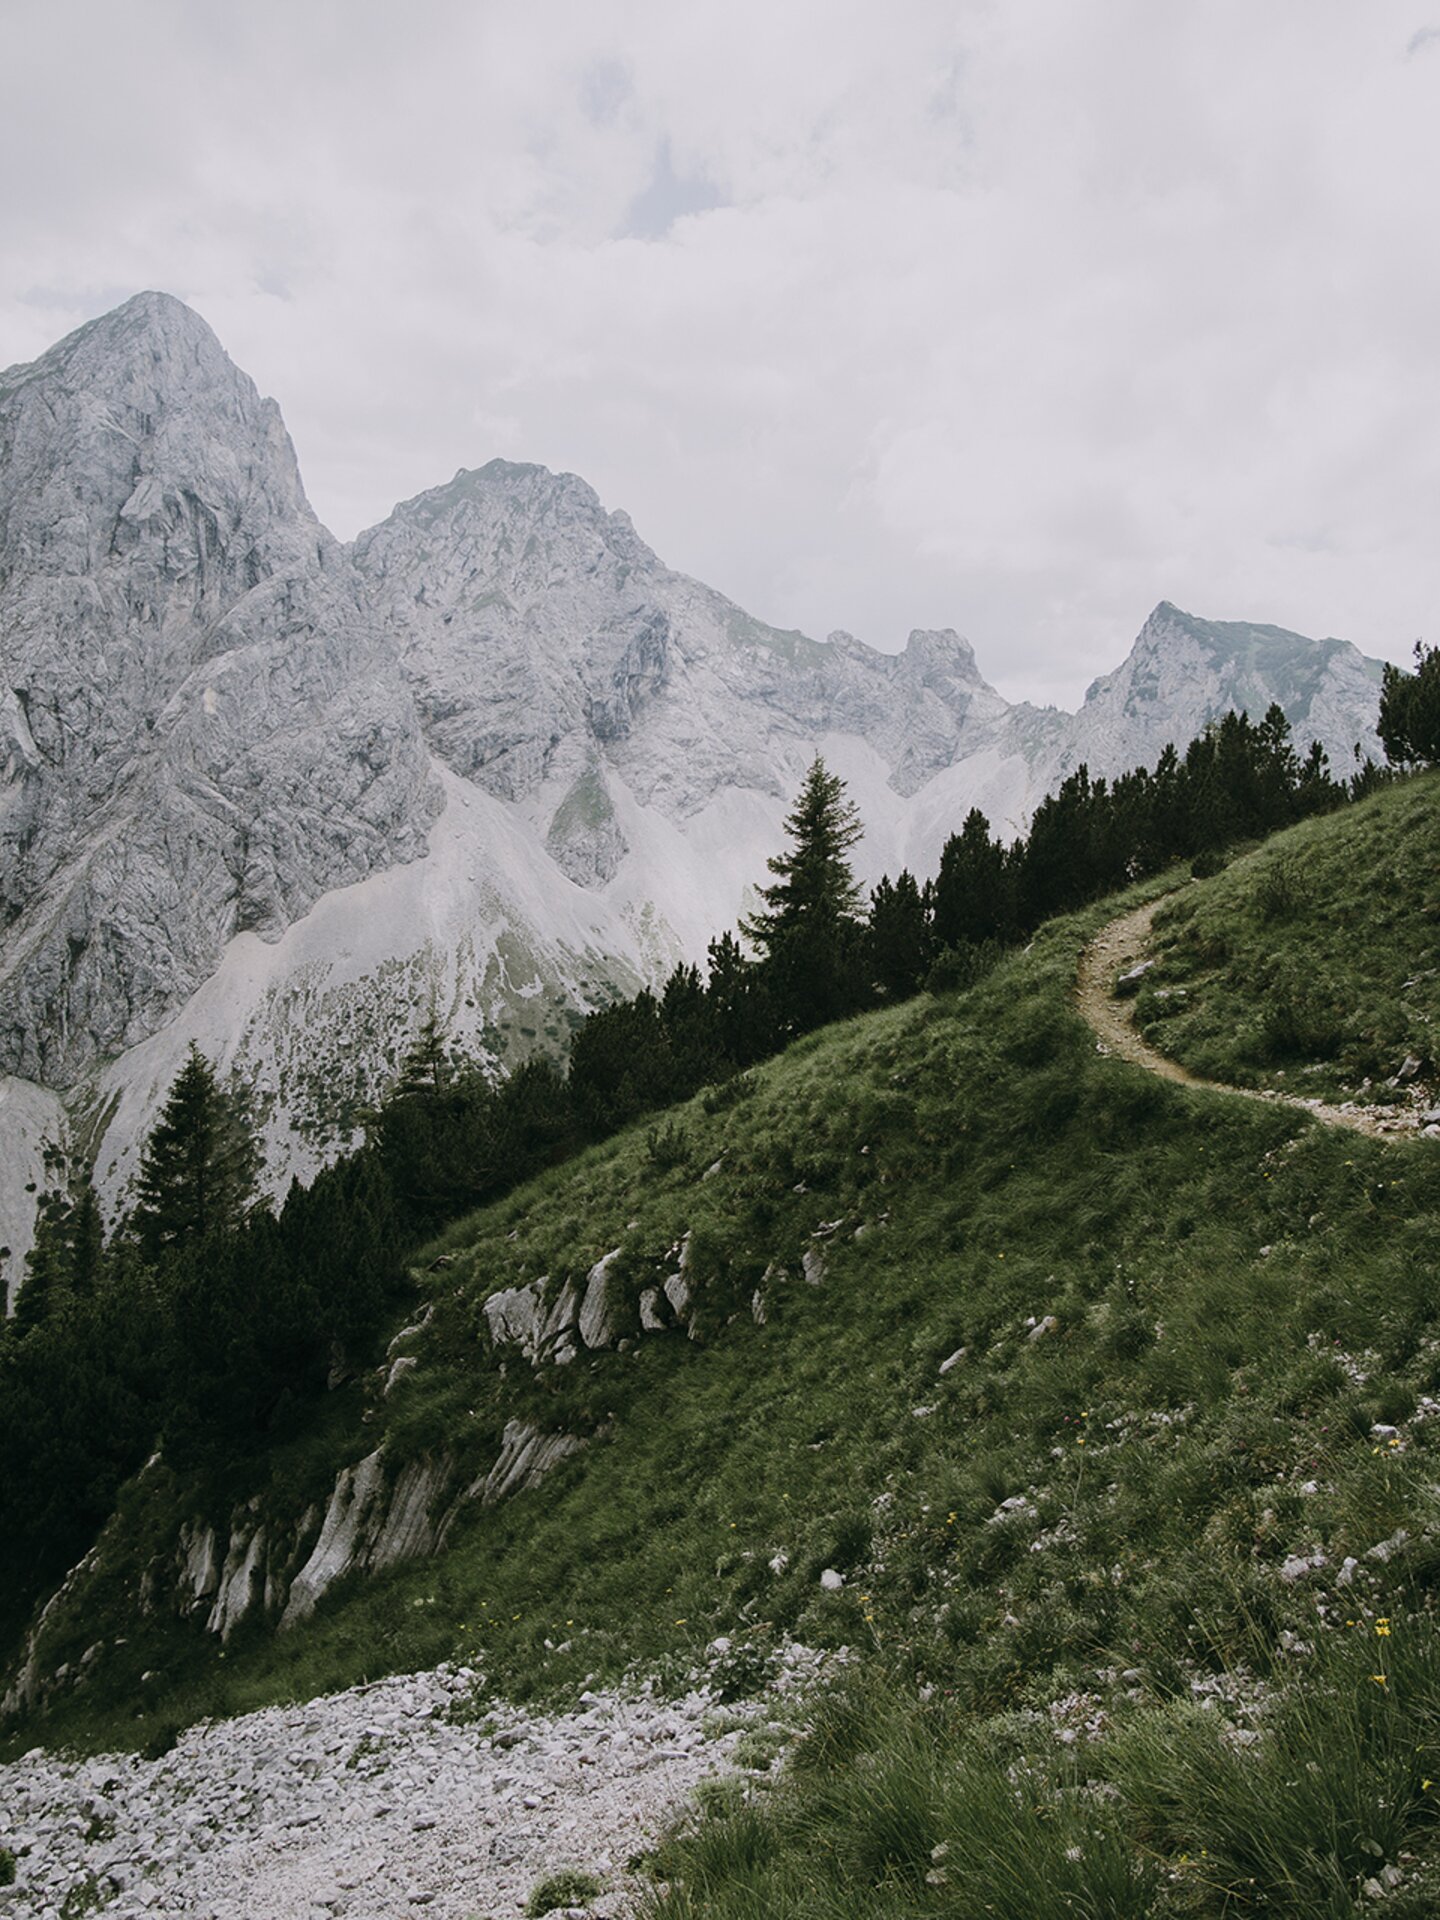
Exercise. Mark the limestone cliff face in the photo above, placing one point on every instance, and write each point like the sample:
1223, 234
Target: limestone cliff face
552, 654
201, 729
1183, 672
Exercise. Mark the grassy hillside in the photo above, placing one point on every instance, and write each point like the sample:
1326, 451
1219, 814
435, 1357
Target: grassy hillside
1313, 964
1116, 1410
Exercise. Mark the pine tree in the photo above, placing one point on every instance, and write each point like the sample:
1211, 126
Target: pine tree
198, 1171
1409, 724
49, 1265
975, 888
808, 933
898, 941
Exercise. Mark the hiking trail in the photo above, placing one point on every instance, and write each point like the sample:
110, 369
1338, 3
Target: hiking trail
1122, 944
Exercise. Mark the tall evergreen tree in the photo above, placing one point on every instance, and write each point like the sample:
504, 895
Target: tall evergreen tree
808, 931
198, 1170
897, 939
975, 888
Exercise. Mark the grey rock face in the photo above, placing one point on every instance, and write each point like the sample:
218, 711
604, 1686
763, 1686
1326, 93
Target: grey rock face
201, 730
548, 646
368, 1524
526, 1456
1183, 672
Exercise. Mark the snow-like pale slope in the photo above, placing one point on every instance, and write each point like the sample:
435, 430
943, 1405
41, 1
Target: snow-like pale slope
486, 932
31, 1119
315, 1024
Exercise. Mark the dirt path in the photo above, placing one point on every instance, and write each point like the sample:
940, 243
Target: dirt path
1121, 945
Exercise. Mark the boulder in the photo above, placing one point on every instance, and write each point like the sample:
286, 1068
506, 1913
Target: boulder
598, 1318
677, 1292
526, 1456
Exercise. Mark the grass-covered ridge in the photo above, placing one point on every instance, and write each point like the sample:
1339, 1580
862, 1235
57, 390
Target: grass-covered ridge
1191, 1351
1313, 964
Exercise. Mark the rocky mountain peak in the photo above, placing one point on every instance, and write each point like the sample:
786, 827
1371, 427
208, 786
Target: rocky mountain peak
182, 657
139, 423
1184, 672
507, 528
213, 719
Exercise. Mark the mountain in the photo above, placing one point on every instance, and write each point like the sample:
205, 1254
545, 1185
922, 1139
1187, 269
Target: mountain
1180, 665
203, 730
494, 761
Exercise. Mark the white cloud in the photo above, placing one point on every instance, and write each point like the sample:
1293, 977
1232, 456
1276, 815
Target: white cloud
1017, 319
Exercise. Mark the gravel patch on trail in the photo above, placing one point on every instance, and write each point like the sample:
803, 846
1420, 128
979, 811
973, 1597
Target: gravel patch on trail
370, 1804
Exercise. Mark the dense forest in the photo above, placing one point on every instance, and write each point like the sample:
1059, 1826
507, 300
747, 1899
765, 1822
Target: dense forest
210, 1324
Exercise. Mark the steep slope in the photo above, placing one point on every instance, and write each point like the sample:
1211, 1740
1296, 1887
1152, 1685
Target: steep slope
944, 1302
1310, 969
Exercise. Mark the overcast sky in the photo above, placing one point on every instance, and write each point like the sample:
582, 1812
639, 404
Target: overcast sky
1013, 317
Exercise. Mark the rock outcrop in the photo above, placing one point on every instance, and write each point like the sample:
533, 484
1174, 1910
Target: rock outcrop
372, 1523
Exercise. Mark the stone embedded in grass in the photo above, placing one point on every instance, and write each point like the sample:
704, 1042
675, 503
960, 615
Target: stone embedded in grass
598, 1325
1387, 1549
1128, 982
677, 1292
832, 1581
953, 1360
1299, 1564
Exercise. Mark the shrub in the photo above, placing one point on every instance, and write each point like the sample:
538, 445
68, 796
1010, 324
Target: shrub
1298, 1020
567, 1888
667, 1146
957, 968
729, 1093
744, 1669
1279, 894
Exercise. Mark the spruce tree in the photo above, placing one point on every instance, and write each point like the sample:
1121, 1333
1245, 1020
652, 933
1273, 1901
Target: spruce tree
975, 888
808, 932
198, 1171
898, 939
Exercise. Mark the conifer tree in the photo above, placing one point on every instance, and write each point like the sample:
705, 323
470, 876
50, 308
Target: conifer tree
975, 888
898, 941
49, 1265
198, 1171
808, 932
1409, 724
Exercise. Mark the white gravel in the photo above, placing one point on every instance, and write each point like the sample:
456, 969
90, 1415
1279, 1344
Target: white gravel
369, 1804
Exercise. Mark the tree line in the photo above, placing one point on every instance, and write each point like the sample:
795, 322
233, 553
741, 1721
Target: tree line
212, 1324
